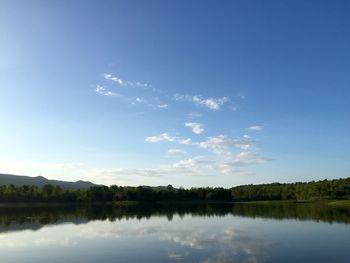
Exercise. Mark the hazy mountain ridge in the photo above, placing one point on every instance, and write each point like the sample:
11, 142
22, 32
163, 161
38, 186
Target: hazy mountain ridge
20, 180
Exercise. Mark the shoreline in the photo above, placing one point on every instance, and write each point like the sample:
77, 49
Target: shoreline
344, 203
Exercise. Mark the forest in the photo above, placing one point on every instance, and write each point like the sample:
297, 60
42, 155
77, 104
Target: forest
325, 189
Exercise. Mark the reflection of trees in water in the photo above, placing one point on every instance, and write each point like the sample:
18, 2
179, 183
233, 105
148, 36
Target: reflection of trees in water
12, 218
191, 240
302, 211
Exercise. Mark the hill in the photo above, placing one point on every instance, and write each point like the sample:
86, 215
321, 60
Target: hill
20, 180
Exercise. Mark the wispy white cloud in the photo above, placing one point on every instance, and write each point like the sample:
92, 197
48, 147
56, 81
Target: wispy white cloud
145, 102
176, 151
187, 141
181, 97
210, 103
140, 84
220, 160
125, 83
221, 142
232, 162
248, 158
115, 79
194, 115
166, 137
140, 96
229, 164
194, 166
163, 106
105, 92
195, 126
255, 128
160, 138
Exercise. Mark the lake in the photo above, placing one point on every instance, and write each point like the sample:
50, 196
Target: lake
239, 232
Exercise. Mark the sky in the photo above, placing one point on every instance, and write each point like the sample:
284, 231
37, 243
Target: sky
185, 92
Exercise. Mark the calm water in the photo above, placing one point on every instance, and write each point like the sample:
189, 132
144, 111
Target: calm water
186, 233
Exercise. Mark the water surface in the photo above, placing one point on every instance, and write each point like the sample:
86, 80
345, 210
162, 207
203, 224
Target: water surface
175, 233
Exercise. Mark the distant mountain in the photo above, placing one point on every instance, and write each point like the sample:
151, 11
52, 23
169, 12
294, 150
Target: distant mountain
19, 180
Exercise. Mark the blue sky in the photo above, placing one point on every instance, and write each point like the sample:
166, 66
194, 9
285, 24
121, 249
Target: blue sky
189, 93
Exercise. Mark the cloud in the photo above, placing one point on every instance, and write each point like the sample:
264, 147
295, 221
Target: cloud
195, 126
115, 79
105, 92
142, 96
194, 115
160, 138
194, 162
221, 142
126, 83
181, 97
144, 102
176, 151
210, 103
140, 84
163, 106
195, 166
232, 162
256, 128
248, 158
187, 141
224, 164
166, 137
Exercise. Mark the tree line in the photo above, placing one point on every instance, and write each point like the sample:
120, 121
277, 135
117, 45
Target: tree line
339, 188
